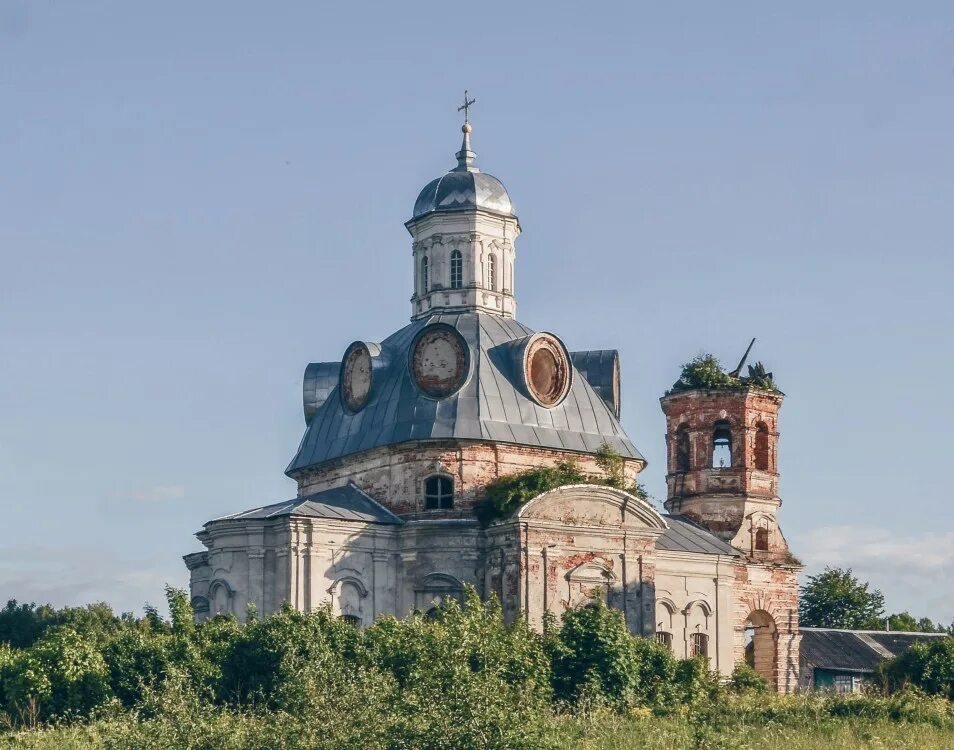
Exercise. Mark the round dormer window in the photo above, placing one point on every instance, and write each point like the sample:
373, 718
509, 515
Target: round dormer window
547, 369
440, 360
356, 377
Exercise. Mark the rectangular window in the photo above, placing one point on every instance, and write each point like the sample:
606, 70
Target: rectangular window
699, 645
846, 683
664, 638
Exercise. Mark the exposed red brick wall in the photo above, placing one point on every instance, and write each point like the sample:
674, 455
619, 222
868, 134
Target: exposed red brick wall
393, 475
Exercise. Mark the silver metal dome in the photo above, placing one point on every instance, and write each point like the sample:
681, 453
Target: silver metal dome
464, 187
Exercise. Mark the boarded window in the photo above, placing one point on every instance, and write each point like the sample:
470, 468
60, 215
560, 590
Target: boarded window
699, 645
721, 445
438, 493
457, 270
664, 638
761, 446
762, 540
682, 448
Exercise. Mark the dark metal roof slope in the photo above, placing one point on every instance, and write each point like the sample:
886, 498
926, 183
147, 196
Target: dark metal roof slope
599, 367
855, 650
346, 503
685, 535
490, 405
897, 641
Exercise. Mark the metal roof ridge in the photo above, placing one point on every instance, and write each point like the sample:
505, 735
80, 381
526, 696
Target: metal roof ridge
874, 632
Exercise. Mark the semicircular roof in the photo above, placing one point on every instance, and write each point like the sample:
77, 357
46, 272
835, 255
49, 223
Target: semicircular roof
459, 190
490, 406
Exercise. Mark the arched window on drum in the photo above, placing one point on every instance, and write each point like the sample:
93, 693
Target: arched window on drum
438, 492
492, 272
457, 270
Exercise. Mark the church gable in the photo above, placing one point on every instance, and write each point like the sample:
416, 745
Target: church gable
592, 505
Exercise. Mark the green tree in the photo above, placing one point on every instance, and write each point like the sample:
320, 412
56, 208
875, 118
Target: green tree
928, 666
595, 658
835, 598
62, 674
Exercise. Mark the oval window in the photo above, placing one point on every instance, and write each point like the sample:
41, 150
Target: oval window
547, 368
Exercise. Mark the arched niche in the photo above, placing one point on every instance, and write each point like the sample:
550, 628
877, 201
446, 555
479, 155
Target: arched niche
433, 589
348, 593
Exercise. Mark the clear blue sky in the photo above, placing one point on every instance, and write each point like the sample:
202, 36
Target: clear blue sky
197, 199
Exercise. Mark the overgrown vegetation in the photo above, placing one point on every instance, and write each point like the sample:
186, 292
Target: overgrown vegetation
706, 371
506, 494
462, 680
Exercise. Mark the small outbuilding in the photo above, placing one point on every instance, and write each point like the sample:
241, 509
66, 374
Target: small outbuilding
843, 660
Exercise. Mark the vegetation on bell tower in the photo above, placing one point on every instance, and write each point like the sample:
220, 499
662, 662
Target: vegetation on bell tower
706, 371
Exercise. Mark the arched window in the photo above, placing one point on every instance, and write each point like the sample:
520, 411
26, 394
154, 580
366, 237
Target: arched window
457, 270
761, 446
761, 540
664, 638
438, 493
699, 645
722, 445
682, 448
492, 272
424, 280
352, 620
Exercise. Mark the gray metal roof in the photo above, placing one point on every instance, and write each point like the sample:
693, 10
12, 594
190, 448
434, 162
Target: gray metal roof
464, 187
490, 405
346, 503
456, 191
599, 367
685, 535
320, 380
855, 650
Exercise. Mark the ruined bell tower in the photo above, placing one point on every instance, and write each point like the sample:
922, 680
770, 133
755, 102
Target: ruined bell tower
722, 456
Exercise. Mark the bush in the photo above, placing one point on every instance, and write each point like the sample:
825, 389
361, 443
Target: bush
596, 660
744, 679
265, 653
61, 675
505, 494
927, 666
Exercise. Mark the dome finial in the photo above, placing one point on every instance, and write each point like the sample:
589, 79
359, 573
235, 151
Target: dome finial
465, 157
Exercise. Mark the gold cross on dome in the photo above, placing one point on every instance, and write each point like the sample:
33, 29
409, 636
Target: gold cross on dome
466, 106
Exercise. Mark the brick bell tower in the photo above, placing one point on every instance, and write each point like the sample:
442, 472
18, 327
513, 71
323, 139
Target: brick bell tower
722, 455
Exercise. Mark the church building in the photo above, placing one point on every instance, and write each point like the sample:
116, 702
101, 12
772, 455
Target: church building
403, 434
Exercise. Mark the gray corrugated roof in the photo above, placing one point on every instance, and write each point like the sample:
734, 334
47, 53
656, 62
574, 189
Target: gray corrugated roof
685, 535
346, 503
848, 650
490, 406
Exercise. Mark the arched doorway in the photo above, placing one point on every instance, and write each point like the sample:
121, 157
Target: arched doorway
761, 645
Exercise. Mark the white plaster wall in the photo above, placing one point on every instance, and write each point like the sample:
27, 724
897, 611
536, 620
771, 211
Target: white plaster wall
476, 235
693, 594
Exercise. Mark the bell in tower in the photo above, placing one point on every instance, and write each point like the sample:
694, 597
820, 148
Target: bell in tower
722, 454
